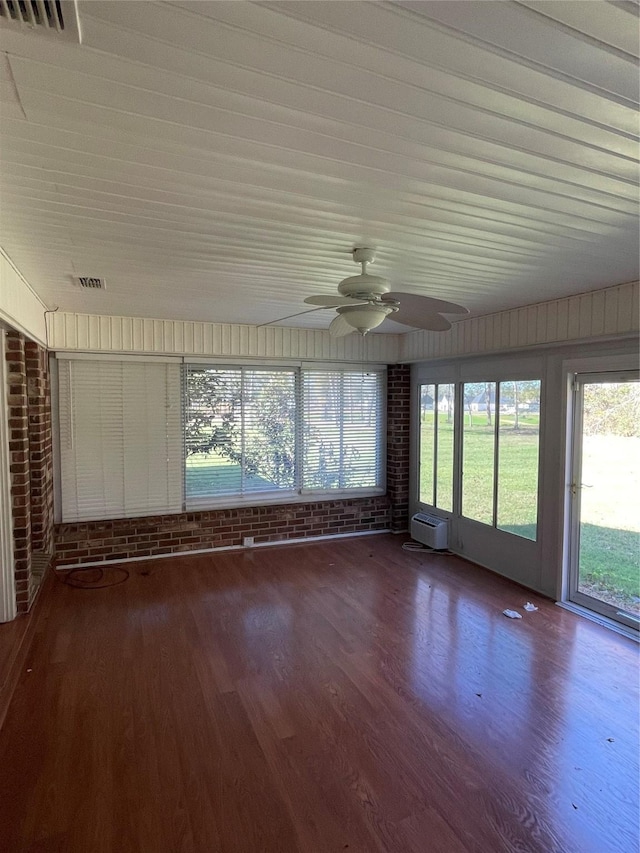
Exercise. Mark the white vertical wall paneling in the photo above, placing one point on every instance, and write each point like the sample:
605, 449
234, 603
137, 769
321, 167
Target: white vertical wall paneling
532, 325
542, 329
93, 333
625, 312
585, 324
513, 328
71, 325
573, 327
552, 321
563, 319
597, 313
523, 319
105, 333
606, 312
19, 305
611, 311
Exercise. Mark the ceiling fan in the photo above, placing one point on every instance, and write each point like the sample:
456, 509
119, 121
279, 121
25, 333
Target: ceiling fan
365, 300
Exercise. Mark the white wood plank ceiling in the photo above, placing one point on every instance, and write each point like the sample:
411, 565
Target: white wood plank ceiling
218, 161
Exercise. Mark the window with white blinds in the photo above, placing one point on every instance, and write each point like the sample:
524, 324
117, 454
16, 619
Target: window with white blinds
342, 431
271, 431
120, 438
240, 431
144, 437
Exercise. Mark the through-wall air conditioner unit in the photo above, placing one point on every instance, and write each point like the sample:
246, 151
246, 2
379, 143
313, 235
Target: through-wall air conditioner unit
430, 531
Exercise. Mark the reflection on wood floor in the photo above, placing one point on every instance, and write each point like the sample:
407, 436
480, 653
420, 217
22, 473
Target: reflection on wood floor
335, 696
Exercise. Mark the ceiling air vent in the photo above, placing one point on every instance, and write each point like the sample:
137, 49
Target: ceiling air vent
90, 282
57, 18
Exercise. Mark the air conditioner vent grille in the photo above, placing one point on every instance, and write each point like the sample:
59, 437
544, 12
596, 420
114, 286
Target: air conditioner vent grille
37, 14
91, 282
52, 17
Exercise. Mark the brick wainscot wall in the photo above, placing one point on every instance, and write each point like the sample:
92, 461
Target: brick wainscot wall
97, 541
31, 463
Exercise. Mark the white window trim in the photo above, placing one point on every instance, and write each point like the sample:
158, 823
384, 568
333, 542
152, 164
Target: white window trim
290, 498
135, 359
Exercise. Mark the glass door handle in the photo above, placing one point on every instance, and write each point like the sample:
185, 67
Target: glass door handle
575, 486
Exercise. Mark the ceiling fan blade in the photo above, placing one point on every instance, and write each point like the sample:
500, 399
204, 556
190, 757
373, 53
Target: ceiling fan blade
430, 322
288, 317
339, 327
332, 301
419, 303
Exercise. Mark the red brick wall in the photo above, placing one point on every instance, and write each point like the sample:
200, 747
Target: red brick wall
19, 465
398, 430
31, 467
40, 447
168, 534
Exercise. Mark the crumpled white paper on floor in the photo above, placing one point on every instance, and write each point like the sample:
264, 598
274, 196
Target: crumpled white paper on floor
530, 607
512, 614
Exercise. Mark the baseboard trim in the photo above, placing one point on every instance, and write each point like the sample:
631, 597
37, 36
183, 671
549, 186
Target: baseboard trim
279, 542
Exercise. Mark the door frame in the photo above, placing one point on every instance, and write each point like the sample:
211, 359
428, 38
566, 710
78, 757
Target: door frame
579, 373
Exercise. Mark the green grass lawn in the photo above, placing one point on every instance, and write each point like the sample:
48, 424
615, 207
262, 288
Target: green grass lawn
610, 555
210, 473
610, 528
518, 471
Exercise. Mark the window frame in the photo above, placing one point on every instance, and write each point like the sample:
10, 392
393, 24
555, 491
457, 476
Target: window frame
381, 436
299, 494
497, 452
436, 462
458, 373
241, 498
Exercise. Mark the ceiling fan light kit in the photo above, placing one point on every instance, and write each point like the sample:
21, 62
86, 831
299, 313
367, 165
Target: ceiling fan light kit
365, 317
365, 301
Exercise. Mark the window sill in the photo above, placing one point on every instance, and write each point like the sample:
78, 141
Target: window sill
235, 502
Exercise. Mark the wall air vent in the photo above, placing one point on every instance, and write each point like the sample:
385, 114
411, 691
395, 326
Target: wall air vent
57, 18
90, 282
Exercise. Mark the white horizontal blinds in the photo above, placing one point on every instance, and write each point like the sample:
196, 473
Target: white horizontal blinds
269, 429
342, 429
213, 431
120, 446
240, 431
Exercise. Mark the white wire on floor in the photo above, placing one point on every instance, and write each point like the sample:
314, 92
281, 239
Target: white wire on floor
417, 546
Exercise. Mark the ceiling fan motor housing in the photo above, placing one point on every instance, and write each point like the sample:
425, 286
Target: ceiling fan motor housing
364, 284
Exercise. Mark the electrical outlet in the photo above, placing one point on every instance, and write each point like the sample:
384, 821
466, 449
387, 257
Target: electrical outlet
248, 541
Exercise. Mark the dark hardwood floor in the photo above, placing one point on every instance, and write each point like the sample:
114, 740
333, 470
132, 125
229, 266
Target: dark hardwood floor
326, 697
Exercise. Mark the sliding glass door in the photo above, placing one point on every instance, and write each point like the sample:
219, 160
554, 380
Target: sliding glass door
605, 490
